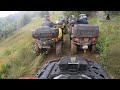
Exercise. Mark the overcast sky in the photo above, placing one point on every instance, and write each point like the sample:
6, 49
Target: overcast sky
6, 13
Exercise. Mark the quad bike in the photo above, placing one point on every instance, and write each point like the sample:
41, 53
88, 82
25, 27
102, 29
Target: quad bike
45, 39
72, 68
84, 36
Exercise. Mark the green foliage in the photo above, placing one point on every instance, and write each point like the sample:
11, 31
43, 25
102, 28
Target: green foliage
112, 12
17, 58
103, 46
22, 21
108, 45
14, 22
7, 52
17, 67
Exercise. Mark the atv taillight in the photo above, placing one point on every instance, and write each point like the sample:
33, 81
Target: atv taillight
93, 39
85, 39
76, 39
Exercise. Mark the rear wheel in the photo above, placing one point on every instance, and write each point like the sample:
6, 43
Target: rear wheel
93, 48
37, 50
59, 48
73, 47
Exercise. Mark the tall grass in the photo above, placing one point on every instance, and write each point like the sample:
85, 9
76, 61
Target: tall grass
16, 52
17, 58
108, 45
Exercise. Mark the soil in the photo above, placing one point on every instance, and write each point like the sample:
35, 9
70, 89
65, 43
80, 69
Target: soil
66, 52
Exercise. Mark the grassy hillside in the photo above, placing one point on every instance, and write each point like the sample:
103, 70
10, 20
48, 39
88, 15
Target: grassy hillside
17, 58
108, 44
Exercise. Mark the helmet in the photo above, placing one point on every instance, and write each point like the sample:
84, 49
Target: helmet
61, 19
73, 16
82, 16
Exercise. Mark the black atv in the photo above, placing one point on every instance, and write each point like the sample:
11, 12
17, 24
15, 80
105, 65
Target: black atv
72, 68
84, 36
46, 38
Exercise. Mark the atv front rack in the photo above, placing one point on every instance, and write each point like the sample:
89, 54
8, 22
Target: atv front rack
51, 70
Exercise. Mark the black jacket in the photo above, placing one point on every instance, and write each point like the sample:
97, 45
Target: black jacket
82, 21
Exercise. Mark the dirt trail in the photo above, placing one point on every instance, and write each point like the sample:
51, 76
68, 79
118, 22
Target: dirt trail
66, 52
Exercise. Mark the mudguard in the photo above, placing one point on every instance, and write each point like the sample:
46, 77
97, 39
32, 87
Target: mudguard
52, 70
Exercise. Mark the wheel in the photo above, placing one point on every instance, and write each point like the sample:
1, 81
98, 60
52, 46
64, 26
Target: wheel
59, 48
93, 48
37, 50
73, 48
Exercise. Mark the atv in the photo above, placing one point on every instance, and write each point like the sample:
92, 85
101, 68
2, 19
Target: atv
84, 36
45, 39
72, 68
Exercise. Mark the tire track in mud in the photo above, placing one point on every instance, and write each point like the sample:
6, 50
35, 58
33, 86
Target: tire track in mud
66, 52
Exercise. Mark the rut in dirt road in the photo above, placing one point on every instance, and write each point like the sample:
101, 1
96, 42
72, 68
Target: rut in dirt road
66, 52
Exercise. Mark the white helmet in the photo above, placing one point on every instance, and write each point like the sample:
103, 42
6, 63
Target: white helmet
73, 16
82, 16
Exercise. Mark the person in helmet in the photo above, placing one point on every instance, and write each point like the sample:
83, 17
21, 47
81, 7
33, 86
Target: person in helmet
47, 22
72, 17
59, 26
83, 19
66, 19
62, 19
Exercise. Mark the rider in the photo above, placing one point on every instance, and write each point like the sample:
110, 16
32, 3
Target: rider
63, 22
59, 26
47, 22
83, 19
72, 17
62, 19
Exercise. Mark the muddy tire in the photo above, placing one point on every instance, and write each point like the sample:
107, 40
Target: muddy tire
93, 49
37, 50
59, 48
73, 48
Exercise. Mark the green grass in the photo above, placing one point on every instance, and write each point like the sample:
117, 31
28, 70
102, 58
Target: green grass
108, 44
17, 58
16, 52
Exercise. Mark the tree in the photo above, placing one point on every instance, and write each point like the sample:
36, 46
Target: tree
112, 12
23, 20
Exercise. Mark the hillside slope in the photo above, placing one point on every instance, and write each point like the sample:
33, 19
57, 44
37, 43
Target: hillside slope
19, 48
108, 44
17, 58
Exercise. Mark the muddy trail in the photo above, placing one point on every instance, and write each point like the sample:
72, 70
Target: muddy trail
66, 52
